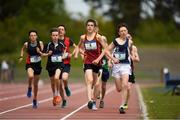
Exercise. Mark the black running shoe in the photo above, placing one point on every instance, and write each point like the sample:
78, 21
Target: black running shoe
121, 110
68, 91
64, 104
34, 104
101, 104
90, 104
29, 94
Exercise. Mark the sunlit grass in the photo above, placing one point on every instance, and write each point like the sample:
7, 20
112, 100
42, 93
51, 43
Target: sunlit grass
160, 105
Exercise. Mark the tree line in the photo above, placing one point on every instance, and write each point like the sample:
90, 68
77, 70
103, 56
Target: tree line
149, 21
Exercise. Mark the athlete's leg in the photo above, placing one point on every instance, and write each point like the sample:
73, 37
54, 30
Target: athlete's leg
125, 78
35, 83
118, 83
128, 92
96, 86
30, 73
57, 98
103, 90
56, 78
65, 77
89, 83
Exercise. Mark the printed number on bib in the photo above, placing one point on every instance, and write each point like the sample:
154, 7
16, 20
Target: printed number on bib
56, 58
120, 55
35, 59
91, 45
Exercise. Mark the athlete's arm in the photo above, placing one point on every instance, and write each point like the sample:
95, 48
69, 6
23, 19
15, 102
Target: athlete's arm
22, 51
108, 53
41, 48
104, 45
79, 46
134, 54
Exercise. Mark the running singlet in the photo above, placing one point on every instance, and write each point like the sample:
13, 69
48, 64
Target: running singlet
68, 43
92, 50
121, 52
33, 56
105, 63
57, 51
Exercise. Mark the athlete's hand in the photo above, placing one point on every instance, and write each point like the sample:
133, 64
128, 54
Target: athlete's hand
69, 55
95, 62
116, 61
20, 59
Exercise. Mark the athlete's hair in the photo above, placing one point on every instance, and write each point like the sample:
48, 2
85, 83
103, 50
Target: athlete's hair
122, 25
53, 30
93, 21
119, 26
61, 25
32, 31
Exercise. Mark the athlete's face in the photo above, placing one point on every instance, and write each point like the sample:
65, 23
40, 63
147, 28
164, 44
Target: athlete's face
90, 27
61, 31
55, 36
32, 36
123, 32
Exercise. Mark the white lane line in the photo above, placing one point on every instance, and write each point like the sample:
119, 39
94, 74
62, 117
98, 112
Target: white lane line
17, 108
84, 105
20, 96
143, 107
41, 101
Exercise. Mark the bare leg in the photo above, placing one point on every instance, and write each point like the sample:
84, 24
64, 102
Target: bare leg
35, 83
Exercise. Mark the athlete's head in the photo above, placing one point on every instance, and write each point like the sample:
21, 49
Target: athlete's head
32, 35
91, 25
54, 34
122, 30
62, 30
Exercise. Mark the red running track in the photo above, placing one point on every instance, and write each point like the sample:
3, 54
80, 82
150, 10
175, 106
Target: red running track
14, 105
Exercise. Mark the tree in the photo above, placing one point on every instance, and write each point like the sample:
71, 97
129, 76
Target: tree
119, 11
11, 8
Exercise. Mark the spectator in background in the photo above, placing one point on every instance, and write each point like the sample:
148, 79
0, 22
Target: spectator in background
4, 70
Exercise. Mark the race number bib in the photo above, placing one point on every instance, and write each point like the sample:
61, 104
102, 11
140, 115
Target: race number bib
35, 59
56, 58
91, 45
120, 55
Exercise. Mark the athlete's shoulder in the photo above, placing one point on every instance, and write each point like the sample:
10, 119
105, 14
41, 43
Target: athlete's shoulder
26, 43
98, 36
41, 42
82, 37
134, 48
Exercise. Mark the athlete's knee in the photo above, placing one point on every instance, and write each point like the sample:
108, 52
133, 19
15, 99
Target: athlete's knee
118, 89
103, 87
31, 77
89, 81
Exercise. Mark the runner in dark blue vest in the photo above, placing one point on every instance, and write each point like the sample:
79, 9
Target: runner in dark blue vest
33, 63
55, 51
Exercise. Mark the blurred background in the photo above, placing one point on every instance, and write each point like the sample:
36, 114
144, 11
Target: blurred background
154, 25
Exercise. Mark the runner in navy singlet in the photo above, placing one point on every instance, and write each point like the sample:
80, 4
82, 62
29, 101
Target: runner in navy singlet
33, 63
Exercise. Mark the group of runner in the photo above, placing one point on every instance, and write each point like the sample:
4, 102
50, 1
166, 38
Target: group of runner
98, 58
58, 63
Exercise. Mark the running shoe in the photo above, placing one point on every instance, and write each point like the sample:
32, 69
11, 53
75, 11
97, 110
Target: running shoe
68, 91
54, 101
121, 110
101, 104
34, 104
57, 100
29, 92
98, 97
90, 104
125, 106
94, 106
64, 104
